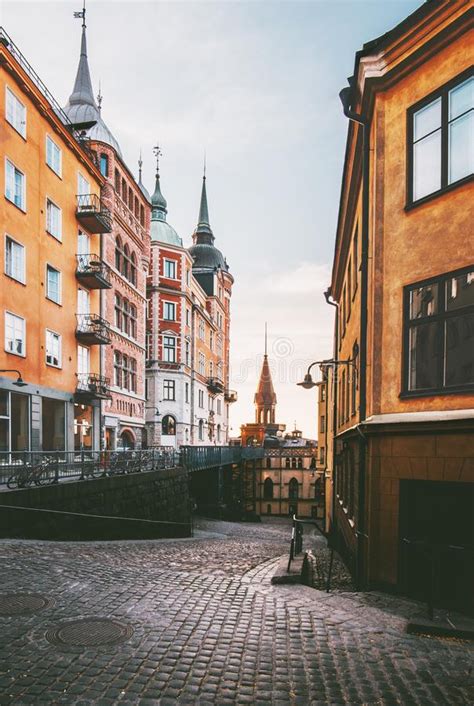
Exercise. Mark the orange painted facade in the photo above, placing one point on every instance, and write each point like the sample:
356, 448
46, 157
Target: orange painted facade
41, 306
410, 431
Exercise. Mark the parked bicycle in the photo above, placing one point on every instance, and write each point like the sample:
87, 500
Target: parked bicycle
32, 474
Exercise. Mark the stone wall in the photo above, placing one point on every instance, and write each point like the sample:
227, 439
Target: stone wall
139, 505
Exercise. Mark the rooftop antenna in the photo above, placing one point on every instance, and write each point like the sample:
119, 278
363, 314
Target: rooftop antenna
81, 14
158, 153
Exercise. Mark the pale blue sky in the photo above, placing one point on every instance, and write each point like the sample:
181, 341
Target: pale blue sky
256, 85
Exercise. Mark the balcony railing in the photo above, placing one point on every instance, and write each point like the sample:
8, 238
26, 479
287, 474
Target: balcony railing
230, 396
92, 329
215, 386
92, 214
91, 386
93, 272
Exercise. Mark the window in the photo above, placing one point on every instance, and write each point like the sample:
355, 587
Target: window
322, 425
188, 317
355, 259
201, 330
170, 269
14, 259
439, 334
322, 393
53, 284
118, 254
53, 156
293, 489
83, 302
201, 398
14, 423
82, 360
168, 425
268, 462
117, 180
186, 392
169, 311
15, 334
201, 430
53, 348
321, 454
104, 164
169, 391
354, 384
53, 219
349, 289
202, 364
187, 352
219, 406
268, 488
188, 277
83, 243
15, 112
83, 186
441, 144
15, 185
169, 349
211, 340
117, 369
53, 424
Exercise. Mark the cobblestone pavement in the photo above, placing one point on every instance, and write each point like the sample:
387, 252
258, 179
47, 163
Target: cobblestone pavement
209, 628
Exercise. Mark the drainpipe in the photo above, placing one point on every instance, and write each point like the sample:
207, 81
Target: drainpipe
346, 98
327, 296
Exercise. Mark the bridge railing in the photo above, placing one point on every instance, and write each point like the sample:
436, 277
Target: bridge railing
198, 458
23, 469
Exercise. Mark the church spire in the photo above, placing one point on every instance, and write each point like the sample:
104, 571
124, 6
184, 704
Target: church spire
203, 233
82, 92
265, 397
158, 201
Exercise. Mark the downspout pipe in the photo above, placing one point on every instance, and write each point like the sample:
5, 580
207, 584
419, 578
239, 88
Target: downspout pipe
346, 96
328, 297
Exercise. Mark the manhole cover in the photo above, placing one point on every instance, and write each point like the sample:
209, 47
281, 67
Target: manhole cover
89, 632
22, 603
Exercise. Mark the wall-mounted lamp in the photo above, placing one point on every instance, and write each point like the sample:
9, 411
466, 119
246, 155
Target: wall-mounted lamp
308, 381
19, 382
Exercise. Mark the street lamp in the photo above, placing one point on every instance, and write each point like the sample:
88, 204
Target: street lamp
308, 381
157, 411
19, 382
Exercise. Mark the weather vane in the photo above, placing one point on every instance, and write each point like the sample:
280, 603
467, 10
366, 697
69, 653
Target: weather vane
81, 14
99, 99
158, 153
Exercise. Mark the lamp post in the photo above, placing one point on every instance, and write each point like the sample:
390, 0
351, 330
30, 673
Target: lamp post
19, 382
308, 381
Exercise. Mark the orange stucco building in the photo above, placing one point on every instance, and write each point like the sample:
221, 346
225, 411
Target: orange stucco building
401, 418
47, 327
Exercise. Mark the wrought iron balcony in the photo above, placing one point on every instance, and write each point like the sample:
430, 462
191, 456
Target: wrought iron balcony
230, 396
215, 386
92, 214
91, 386
93, 272
92, 329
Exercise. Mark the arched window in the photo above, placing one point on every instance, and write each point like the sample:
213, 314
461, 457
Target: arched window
300, 462
130, 199
118, 254
313, 463
125, 372
104, 165
318, 487
133, 321
168, 425
117, 181
137, 207
250, 441
293, 462
287, 462
268, 489
124, 190
126, 262
127, 440
293, 489
201, 430
142, 216
133, 269
269, 462
125, 316
117, 369
133, 374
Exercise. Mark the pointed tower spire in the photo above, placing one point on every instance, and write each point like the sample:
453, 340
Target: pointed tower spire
265, 397
82, 92
158, 201
203, 234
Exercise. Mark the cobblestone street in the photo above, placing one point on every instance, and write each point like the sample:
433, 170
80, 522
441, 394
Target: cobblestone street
201, 624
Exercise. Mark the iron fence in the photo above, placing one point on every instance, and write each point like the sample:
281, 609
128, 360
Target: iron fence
198, 458
23, 469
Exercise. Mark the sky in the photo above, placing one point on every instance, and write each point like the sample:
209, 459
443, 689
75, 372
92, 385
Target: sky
255, 86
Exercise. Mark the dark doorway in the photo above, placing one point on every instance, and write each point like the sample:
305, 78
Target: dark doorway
437, 543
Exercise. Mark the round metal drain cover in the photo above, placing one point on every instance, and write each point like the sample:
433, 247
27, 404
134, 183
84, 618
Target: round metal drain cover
89, 632
22, 603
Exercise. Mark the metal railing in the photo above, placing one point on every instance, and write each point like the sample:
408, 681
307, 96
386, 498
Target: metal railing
198, 458
92, 325
23, 469
297, 532
91, 264
92, 205
93, 385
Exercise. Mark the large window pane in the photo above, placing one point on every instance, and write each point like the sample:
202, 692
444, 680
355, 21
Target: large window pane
4, 409
427, 165
19, 422
4, 424
424, 301
423, 357
459, 359
461, 147
53, 424
460, 291
427, 120
461, 98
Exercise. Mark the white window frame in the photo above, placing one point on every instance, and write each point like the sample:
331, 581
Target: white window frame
55, 150
83, 297
83, 183
55, 336
48, 296
167, 261
11, 274
49, 229
169, 387
23, 336
83, 356
21, 206
18, 125
202, 364
168, 348
166, 305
